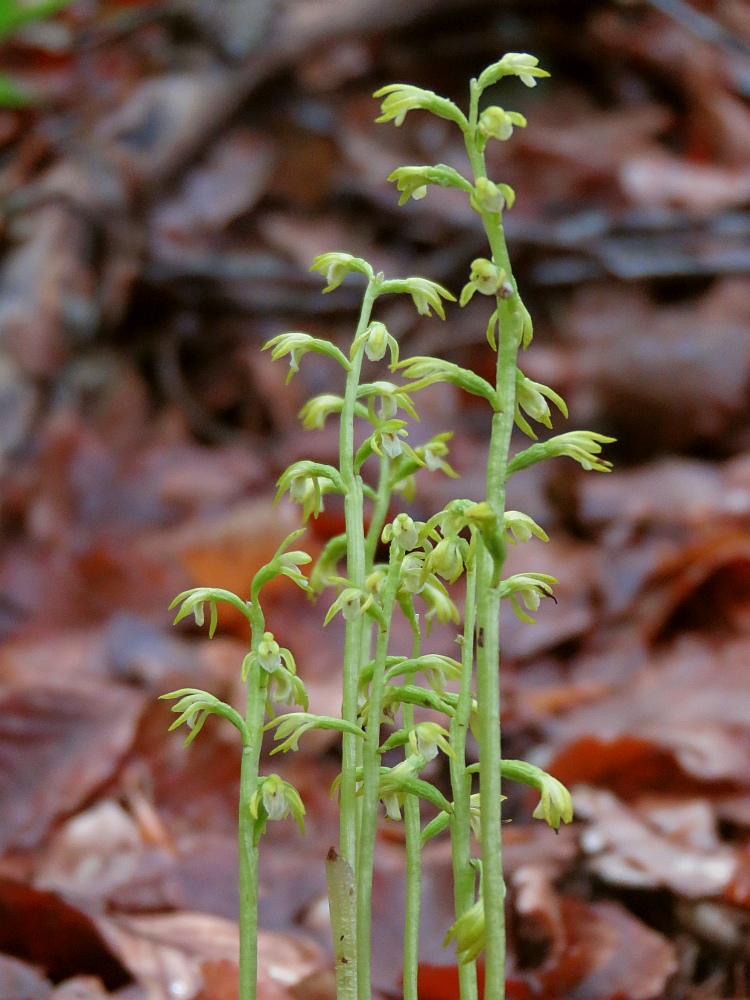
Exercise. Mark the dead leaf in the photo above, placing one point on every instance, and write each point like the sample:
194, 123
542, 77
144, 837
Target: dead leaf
626, 849
58, 745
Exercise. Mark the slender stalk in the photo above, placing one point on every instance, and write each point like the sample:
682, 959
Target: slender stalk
488, 606
464, 875
248, 851
379, 511
413, 829
371, 780
353, 643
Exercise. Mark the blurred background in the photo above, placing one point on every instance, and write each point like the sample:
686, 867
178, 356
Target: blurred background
168, 169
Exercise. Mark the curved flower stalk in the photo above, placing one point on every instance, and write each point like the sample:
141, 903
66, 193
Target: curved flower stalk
270, 673
515, 400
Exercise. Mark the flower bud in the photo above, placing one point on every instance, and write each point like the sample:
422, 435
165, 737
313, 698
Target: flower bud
446, 559
412, 568
377, 341
405, 532
391, 444
426, 738
269, 654
495, 123
486, 276
489, 196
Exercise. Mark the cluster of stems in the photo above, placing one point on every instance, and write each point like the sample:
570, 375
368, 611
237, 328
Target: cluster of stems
468, 537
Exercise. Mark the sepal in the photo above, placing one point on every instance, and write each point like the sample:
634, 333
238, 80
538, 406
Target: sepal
531, 588
425, 294
583, 446
532, 398
520, 527
192, 602
283, 564
325, 571
274, 799
399, 781
411, 181
195, 706
336, 266
400, 98
469, 934
290, 727
296, 344
519, 64
429, 371
555, 805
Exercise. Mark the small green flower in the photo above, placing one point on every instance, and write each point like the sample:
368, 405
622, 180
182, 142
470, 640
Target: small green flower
521, 527
391, 790
426, 738
316, 411
413, 572
296, 344
412, 181
269, 656
433, 454
426, 294
583, 446
496, 123
401, 98
336, 266
447, 558
530, 397
520, 64
469, 933
531, 588
489, 197
307, 491
439, 605
485, 278
556, 804
269, 653
403, 531
351, 602
377, 341
277, 799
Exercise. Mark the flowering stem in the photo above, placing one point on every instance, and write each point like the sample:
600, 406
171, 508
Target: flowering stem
413, 829
464, 875
488, 606
355, 568
371, 780
248, 850
379, 511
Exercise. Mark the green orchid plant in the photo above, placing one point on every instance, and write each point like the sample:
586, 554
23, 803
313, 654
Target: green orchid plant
425, 559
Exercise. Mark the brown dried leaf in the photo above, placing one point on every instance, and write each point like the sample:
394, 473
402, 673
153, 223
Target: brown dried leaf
40, 928
58, 744
626, 849
687, 705
167, 955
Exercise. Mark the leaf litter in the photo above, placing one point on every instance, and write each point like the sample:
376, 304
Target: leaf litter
159, 204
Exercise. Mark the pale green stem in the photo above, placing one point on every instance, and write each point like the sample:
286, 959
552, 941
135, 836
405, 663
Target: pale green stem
355, 570
371, 779
248, 851
488, 607
379, 511
464, 875
413, 830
